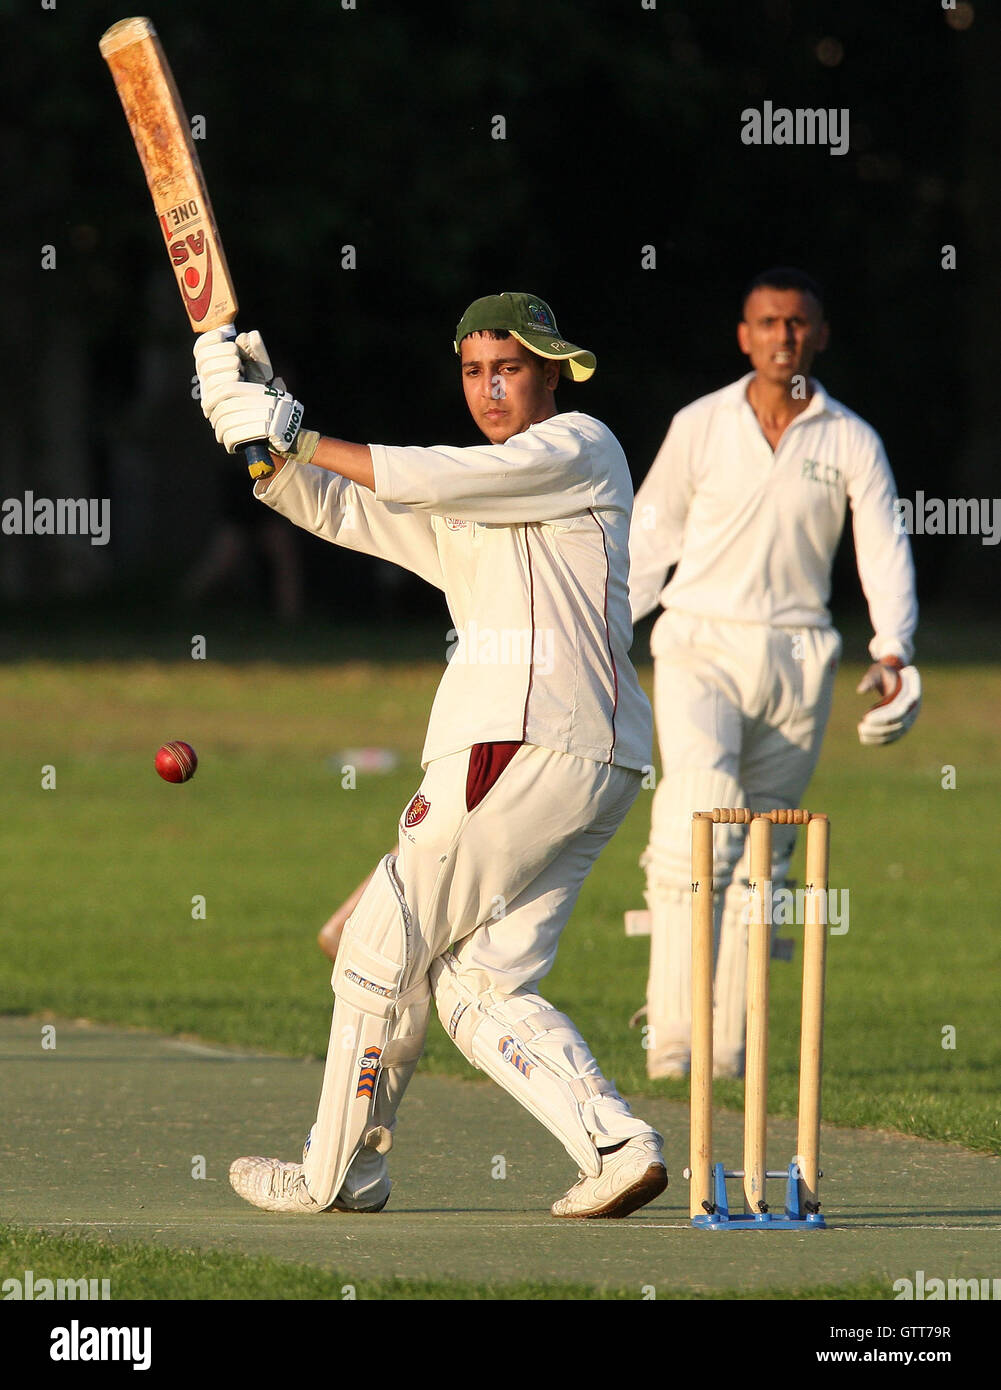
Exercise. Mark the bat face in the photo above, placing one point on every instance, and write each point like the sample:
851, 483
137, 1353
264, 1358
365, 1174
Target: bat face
162, 137
208, 301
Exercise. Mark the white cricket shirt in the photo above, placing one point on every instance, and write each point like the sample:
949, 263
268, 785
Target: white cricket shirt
529, 541
754, 532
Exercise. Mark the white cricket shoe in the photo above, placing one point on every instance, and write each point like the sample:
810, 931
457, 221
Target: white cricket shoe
629, 1178
675, 1066
278, 1186
671, 1062
366, 1186
728, 1065
271, 1184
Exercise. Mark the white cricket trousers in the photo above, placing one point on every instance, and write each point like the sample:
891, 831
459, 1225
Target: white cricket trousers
741, 710
498, 883
492, 854
491, 863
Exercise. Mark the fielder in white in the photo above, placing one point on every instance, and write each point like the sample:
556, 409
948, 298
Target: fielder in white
533, 755
747, 498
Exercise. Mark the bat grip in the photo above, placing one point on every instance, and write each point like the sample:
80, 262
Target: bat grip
258, 458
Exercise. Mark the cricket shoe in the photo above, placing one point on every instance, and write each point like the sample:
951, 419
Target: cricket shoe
630, 1177
728, 1064
672, 1060
673, 1063
675, 1066
366, 1186
276, 1186
271, 1184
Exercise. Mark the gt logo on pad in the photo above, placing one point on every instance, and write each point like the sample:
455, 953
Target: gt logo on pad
511, 1052
369, 1063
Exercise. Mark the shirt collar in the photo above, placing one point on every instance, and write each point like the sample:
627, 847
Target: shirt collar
820, 402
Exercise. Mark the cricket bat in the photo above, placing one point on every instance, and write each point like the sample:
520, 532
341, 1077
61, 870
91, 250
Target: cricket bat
163, 140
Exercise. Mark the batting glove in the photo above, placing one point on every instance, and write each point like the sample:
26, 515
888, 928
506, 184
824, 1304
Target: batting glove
223, 357
247, 410
900, 687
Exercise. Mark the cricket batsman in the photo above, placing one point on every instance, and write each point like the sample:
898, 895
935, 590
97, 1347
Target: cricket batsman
745, 503
533, 755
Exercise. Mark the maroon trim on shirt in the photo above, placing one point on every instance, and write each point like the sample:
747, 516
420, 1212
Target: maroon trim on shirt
608, 635
486, 763
531, 608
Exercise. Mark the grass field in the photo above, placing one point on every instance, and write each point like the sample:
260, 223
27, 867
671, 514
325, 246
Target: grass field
144, 1272
103, 874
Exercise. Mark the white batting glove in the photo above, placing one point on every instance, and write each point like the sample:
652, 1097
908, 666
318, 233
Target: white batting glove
245, 410
223, 357
900, 687
217, 362
255, 361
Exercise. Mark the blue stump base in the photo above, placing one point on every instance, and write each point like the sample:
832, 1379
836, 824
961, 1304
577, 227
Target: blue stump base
793, 1218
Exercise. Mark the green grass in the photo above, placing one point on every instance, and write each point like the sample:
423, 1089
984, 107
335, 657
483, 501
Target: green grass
101, 874
145, 1272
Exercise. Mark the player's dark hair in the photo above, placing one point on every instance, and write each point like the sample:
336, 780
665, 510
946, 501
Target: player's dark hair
783, 277
496, 333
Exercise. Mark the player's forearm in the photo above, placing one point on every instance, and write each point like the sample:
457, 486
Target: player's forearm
351, 461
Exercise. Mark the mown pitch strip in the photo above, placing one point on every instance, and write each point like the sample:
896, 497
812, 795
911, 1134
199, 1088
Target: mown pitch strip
128, 1135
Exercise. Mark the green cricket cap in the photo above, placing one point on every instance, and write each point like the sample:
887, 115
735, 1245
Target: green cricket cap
530, 320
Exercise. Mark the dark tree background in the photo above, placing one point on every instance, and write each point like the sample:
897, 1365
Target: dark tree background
372, 127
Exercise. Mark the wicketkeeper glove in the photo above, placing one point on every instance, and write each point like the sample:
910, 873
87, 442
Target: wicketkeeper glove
899, 707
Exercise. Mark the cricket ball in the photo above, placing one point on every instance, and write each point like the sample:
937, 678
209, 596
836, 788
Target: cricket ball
176, 762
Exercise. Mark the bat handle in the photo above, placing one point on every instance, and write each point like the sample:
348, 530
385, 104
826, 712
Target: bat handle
258, 458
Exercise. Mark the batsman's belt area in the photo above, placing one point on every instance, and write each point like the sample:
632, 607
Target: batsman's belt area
104, 1132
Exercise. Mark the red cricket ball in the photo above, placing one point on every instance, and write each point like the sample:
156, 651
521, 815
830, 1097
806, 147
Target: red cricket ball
176, 762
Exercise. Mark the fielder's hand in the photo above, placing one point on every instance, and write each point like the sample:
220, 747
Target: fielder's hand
243, 411
900, 687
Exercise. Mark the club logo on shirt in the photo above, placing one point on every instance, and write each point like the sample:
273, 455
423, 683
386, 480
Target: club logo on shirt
511, 1052
827, 473
416, 811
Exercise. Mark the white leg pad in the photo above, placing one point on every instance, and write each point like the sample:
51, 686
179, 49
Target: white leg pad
730, 992
730, 1005
667, 860
376, 1037
669, 984
504, 1037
